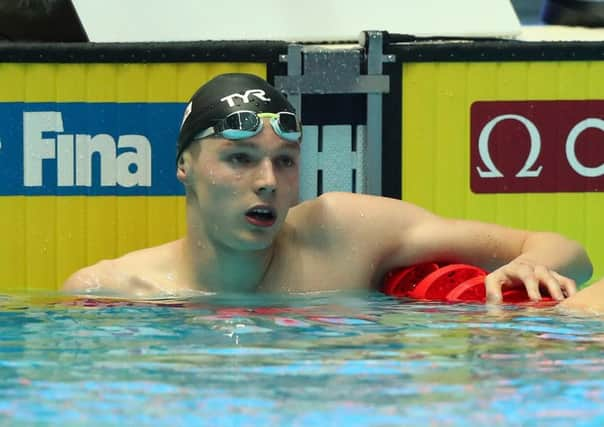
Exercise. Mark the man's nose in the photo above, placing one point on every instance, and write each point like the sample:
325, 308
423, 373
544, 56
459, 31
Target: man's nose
266, 181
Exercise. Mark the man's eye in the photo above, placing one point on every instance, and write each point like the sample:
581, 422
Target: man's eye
239, 159
286, 161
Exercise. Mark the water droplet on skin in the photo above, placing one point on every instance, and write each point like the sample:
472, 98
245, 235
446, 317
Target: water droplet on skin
92, 284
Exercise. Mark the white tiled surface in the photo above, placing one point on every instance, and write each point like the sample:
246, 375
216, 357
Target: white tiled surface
560, 33
291, 20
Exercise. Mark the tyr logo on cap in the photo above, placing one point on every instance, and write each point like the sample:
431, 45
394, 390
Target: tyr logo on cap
245, 98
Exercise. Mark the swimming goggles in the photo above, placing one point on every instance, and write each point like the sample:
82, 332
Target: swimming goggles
245, 124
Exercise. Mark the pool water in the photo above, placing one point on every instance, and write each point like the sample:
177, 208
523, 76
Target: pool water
323, 359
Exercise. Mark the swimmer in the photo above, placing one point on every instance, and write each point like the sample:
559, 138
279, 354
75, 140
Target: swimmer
238, 157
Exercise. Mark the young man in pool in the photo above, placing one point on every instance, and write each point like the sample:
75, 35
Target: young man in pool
238, 158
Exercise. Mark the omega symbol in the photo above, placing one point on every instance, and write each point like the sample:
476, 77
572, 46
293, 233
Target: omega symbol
529, 170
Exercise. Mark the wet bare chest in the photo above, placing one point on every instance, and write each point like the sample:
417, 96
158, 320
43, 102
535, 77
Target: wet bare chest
318, 270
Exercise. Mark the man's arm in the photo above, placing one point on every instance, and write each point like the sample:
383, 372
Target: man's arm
401, 234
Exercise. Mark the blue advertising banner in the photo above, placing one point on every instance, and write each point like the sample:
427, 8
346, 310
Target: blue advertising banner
83, 148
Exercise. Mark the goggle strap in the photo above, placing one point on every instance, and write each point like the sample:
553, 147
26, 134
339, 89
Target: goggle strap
205, 133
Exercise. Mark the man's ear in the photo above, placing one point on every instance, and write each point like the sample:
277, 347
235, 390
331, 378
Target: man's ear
183, 167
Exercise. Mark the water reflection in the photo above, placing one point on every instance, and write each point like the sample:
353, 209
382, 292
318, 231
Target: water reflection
327, 358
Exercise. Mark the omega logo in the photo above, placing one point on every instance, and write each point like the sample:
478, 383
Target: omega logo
531, 169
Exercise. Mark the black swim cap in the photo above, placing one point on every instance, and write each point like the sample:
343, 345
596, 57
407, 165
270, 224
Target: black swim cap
223, 95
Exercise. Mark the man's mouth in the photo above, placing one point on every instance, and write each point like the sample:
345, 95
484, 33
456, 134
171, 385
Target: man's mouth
261, 216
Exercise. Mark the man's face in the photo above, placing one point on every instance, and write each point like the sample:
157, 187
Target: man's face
244, 188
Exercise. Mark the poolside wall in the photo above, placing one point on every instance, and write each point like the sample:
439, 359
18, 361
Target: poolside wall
451, 92
50, 230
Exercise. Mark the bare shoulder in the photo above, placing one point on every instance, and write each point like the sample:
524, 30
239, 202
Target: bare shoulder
376, 226
341, 206
319, 216
131, 274
98, 277
356, 213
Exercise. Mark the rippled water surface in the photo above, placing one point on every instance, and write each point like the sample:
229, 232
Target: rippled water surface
354, 360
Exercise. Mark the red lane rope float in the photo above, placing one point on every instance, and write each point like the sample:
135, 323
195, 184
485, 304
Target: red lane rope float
449, 283
401, 281
472, 290
438, 284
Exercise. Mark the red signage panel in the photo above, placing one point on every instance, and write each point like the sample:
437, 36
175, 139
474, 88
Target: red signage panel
537, 146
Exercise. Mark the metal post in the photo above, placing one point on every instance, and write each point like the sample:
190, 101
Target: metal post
328, 163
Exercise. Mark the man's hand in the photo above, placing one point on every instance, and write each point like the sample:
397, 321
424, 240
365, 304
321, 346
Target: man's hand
532, 277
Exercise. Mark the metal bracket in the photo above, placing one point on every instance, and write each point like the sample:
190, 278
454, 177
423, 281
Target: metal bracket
329, 69
332, 84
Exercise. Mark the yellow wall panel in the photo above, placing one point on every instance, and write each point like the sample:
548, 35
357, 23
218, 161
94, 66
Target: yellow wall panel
165, 219
40, 82
436, 103
70, 82
13, 246
131, 211
15, 74
40, 236
101, 227
72, 230
101, 82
